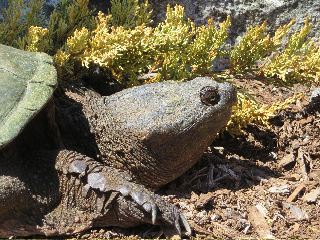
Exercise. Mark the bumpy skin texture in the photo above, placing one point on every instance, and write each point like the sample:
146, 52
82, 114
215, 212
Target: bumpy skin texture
89, 161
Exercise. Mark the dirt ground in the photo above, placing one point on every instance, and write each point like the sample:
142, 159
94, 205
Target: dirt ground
264, 183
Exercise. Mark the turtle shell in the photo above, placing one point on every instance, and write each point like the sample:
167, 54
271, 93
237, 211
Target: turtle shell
27, 82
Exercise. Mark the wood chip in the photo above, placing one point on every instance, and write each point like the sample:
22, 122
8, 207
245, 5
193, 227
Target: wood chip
294, 228
259, 222
295, 213
203, 199
301, 159
312, 196
286, 160
295, 193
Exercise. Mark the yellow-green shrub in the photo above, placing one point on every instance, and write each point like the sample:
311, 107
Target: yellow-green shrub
22, 25
18, 18
176, 48
185, 50
129, 14
299, 62
255, 45
248, 111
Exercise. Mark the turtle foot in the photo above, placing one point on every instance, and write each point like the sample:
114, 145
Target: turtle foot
95, 195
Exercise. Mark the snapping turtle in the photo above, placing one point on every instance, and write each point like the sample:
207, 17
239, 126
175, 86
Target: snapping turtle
73, 161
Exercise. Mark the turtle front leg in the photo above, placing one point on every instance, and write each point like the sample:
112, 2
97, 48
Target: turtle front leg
95, 195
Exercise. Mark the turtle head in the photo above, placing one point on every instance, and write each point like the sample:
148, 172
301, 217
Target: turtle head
175, 121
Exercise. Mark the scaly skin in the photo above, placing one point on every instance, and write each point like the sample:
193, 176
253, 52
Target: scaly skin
88, 161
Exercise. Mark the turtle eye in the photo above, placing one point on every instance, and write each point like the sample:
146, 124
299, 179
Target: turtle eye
209, 95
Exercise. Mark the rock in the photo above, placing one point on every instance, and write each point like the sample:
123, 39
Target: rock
245, 13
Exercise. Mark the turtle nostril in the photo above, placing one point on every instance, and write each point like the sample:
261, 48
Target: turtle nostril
209, 95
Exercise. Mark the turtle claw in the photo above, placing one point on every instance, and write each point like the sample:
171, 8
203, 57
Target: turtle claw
162, 212
177, 226
153, 203
185, 223
154, 214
